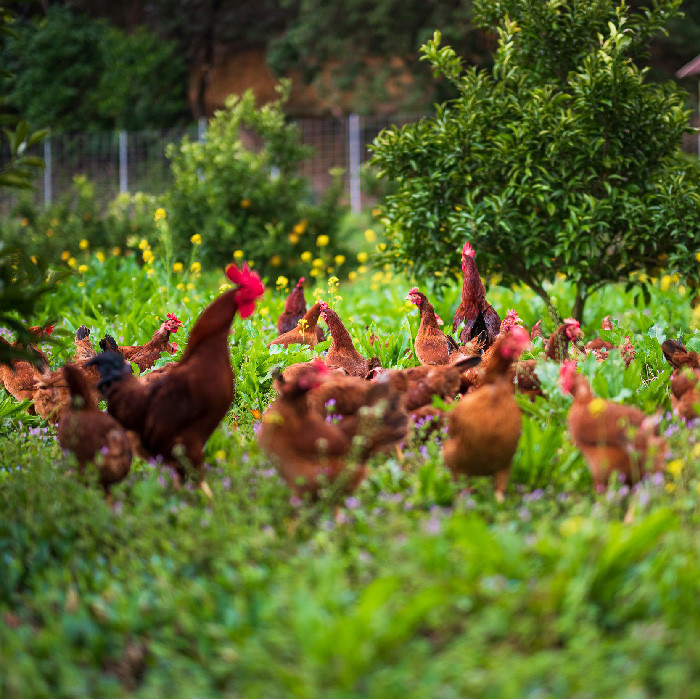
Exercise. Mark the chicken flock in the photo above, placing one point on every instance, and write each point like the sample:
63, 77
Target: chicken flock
333, 413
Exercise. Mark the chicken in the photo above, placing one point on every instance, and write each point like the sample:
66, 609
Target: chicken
145, 356
175, 414
611, 436
342, 352
685, 379
90, 434
305, 331
426, 381
485, 425
557, 349
83, 346
478, 316
20, 378
601, 349
431, 345
294, 309
290, 374
536, 330
310, 450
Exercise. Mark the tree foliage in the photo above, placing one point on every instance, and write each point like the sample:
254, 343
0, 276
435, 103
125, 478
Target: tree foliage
22, 280
563, 158
76, 73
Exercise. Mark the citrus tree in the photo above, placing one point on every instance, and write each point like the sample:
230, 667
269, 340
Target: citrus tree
562, 158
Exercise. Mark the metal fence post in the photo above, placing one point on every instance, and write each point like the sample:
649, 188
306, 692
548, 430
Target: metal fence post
354, 162
48, 192
123, 162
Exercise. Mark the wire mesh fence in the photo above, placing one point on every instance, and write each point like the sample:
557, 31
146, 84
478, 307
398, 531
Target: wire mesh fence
135, 161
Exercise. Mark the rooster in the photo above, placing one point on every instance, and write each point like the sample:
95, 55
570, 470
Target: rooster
175, 414
93, 436
294, 309
484, 426
304, 332
145, 356
83, 346
611, 436
478, 316
342, 352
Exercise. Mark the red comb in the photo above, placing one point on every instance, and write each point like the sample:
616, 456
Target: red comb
301, 281
320, 365
571, 322
468, 250
415, 290
249, 288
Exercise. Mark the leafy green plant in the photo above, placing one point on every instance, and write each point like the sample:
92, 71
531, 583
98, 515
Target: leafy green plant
561, 158
239, 190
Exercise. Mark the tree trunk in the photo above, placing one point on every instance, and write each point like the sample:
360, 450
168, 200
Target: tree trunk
551, 309
579, 303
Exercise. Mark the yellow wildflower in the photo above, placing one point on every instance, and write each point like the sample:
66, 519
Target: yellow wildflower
571, 526
300, 227
381, 247
293, 238
675, 468
178, 267
251, 263
696, 451
189, 286
116, 251
143, 244
352, 275
339, 259
82, 269
670, 487
596, 407
362, 257
24, 222
370, 236
282, 282
65, 255
681, 289
49, 232
264, 311
84, 244
81, 284
317, 262
376, 212
196, 239
697, 256
245, 203
322, 241
181, 286
148, 256
160, 214
71, 262
185, 300
34, 260
238, 254
665, 283
306, 256
330, 270
196, 267
275, 261
100, 256
219, 455
361, 270
224, 288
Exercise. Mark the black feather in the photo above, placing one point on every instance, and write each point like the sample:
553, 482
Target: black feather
111, 367
82, 333
109, 344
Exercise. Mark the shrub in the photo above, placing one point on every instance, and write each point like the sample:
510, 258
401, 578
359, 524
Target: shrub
240, 191
562, 158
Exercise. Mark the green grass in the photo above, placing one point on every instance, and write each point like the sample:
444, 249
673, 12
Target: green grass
414, 587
